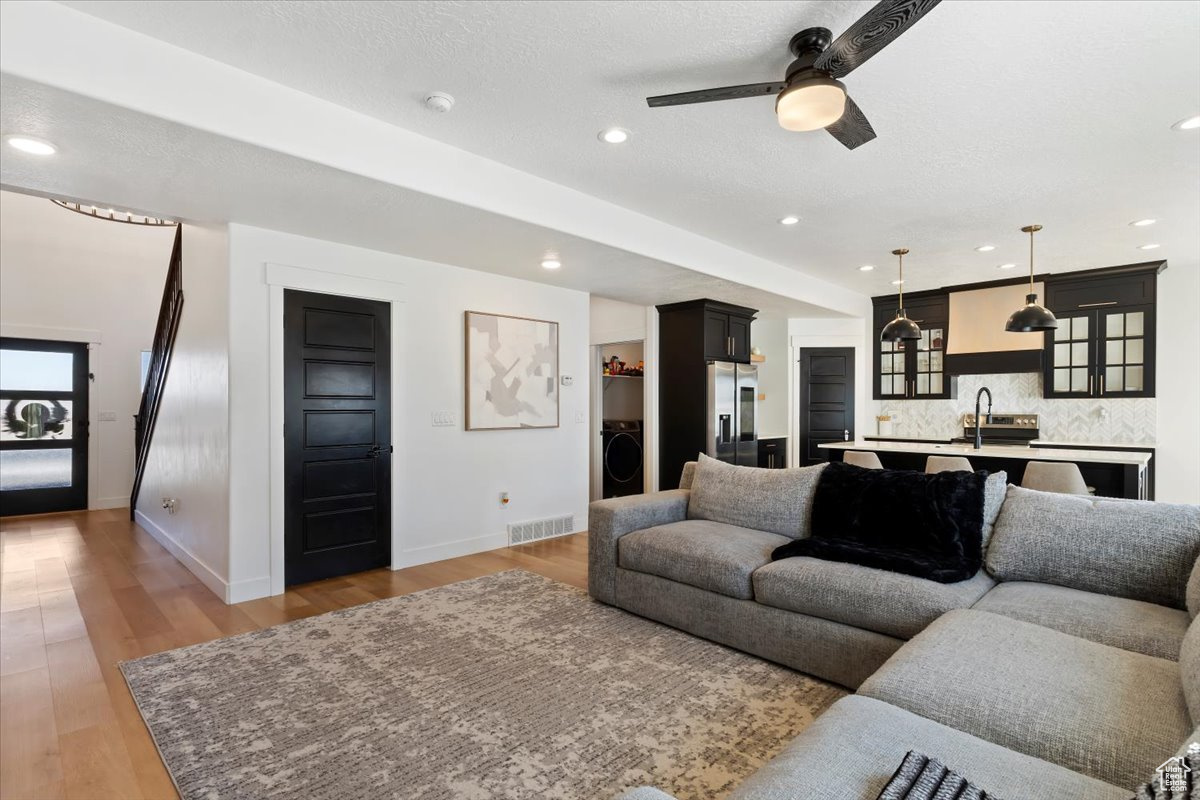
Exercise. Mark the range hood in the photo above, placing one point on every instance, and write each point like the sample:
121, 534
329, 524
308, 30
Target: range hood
978, 343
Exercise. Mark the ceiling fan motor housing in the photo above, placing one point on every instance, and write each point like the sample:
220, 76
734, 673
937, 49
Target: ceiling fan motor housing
807, 46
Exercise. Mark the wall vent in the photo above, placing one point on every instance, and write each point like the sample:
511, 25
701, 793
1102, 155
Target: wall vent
533, 530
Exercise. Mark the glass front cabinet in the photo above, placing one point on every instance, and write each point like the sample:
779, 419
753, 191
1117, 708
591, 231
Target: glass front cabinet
914, 369
1104, 343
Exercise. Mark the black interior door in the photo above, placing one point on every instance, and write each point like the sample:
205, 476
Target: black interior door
337, 435
44, 433
826, 399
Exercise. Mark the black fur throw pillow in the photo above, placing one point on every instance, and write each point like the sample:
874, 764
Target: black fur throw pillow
930, 526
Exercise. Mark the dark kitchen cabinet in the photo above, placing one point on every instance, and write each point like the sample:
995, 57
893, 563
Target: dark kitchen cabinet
772, 453
727, 333
1105, 342
914, 369
690, 335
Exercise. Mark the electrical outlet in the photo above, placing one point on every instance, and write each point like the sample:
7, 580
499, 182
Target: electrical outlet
567, 380
444, 419
580, 417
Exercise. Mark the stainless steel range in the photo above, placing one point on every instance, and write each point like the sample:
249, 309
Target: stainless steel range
1015, 429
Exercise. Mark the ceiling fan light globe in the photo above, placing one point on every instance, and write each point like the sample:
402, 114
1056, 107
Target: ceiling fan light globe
810, 103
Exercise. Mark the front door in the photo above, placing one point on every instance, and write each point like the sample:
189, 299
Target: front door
337, 435
826, 400
44, 433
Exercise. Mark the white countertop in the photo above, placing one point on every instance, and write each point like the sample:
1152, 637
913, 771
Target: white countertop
1099, 445
998, 451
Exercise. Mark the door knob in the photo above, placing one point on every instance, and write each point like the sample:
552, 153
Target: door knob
377, 449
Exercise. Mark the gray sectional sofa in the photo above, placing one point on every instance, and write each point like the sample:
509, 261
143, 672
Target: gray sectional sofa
1069, 667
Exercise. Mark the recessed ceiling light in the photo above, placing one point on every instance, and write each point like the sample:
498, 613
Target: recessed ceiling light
1005, 266
551, 263
31, 145
866, 268
1141, 223
1189, 124
614, 135
1148, 247
897, 282
789, 220
985, 248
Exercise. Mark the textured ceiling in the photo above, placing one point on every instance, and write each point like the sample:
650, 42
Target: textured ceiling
114, 156
990, 115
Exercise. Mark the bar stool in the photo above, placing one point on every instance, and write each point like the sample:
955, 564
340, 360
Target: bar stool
1062, 477
947, 464
860, 458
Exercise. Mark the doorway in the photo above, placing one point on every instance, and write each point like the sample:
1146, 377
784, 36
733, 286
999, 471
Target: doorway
826, 400
337, 435
620, 411
44, 433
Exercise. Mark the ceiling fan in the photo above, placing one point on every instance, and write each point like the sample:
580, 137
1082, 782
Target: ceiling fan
811, 96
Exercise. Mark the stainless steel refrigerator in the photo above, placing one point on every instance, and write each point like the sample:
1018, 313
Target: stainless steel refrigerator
732, 413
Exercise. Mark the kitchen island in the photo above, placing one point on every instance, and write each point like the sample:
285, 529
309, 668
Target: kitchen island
1113, 473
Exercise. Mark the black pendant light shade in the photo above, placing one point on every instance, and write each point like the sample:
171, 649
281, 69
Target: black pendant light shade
902, 328
1031, 316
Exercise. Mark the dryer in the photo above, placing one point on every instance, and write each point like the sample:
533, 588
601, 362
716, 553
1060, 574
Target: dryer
621, 442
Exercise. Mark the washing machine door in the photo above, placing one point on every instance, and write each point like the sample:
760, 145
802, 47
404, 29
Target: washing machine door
623, 458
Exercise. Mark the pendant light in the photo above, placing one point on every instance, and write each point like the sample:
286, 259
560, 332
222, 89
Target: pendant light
901, 328
1031, 316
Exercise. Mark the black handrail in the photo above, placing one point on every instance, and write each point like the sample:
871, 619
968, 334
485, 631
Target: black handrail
160, 361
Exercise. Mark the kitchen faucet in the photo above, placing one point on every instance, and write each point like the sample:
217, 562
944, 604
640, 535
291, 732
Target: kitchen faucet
978, 421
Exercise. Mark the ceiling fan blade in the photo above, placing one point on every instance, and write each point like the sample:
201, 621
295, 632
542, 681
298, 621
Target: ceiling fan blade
874, 31
852, 129
709, 95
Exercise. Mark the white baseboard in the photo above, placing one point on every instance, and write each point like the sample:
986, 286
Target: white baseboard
250, 589
443, 550
205, 573
110, 502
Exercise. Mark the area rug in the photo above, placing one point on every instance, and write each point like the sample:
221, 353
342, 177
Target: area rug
506, 686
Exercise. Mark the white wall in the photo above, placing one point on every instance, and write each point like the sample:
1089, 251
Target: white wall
1177, 478
447, 480
771, 337
615, 321
65, 276
189, 453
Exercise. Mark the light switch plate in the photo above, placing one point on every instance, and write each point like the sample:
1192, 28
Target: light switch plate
444, 419
108, 416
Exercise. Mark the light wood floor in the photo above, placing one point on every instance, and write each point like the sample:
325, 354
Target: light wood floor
81, 592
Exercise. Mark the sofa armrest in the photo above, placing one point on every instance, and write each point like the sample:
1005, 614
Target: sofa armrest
609, 520
644, 793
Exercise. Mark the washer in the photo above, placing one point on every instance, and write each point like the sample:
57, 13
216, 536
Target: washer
621, 440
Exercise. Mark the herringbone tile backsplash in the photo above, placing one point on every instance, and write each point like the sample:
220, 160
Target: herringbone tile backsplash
1131, 420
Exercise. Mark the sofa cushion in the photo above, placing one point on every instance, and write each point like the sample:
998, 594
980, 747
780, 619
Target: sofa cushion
774, 500
1189, 669
1118, 621
1127, 548
1193, 590
1095, 709
872, 599
851, 751
708, 555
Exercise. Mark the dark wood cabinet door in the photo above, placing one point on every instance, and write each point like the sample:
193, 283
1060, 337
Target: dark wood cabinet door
337, 435
772, 453
739, 339
716, 336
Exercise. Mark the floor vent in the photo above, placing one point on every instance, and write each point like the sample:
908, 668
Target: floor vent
521, 532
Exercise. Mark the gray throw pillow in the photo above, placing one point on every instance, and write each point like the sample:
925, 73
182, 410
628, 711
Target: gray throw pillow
993, 498
1137, 549
772, 500
923, 778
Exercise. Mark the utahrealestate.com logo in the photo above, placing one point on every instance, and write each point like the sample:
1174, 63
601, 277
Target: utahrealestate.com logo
1174, 774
